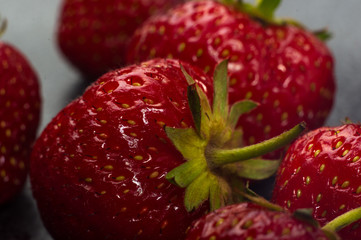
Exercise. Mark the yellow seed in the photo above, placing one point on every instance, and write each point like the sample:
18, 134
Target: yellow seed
3, 149
298, 193
310, 146
103, 121
338, 144
288, 203
199, 52
285, 183
358, 190
120, 178
154, 174
136, 84
345, 153
181, 47
317, 152
133, 134
219, 222
108, 167
124, 105
284, 116
103, 192
308, 180
88, 180
126, 191
345, 184
161, 30
131, 122
3, 173
324, 213
334, 180
355, 159
319, 197
247, 224
138, 157
8, 132
248, 95
225, 53
342, 206
322, 167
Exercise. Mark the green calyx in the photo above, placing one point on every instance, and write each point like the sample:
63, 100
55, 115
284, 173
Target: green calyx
263, 10
3, 26
216, 162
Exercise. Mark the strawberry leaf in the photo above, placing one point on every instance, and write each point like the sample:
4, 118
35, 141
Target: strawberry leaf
220, 97
198, 191
238, 109
255, 169
186, 173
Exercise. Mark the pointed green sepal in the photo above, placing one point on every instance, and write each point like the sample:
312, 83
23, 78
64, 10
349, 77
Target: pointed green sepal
186, 173
220, 97
187, 142
255, 169
323, 34
199, 106
197, 192
268, 7
238, 109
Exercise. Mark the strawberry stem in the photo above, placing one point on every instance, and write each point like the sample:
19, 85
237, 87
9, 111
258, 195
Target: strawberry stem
220, 157
343, 220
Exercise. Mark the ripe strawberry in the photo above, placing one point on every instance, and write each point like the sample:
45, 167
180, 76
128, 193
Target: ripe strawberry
280, 65
19, 118
100, 169
93, 35
321, 171
251, 221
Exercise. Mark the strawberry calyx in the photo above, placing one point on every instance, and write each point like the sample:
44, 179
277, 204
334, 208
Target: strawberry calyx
3, 26
217, 165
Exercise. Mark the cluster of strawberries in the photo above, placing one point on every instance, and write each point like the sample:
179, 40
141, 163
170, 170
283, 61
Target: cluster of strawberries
190, 102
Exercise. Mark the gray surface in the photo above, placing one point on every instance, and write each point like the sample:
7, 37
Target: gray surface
31, 28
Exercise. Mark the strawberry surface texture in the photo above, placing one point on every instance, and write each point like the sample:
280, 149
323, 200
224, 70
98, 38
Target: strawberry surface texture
284, 67
321, 171
250, 221
93, 35
20, 104
98, 169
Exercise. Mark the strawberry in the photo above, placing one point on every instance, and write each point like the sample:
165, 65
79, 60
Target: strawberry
93, 35
252, 221
19, 117
321, 171
280, 65
102, 167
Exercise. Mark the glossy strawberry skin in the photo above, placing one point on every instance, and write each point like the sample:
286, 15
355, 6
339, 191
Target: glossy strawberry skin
321, 171
286, 69
93, 35
250, 221
98, 169
20, 104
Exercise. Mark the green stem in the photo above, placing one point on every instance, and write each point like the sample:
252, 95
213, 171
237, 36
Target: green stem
220, 157
343, 220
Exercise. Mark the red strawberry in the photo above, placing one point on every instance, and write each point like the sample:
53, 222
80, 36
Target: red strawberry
321, 171
93, 35
100, 168
19, 118
251, 221
282, 66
